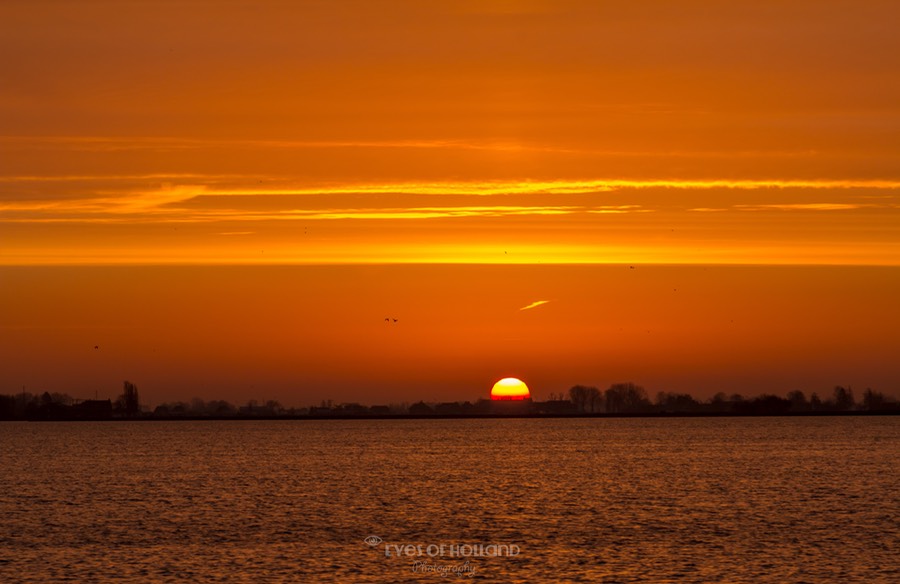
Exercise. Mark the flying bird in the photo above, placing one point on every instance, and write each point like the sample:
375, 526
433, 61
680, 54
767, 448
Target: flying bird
96, 346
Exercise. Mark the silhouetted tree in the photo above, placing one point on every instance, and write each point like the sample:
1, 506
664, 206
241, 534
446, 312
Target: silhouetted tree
676, 402
815, 403
763, 405
179, 409
719, 402
128, 403
220, 408
55, 406
198, 406
873, 400
626, 398
399, 408
798, 401
7, 407
586, 399
843, 398
578, 395
594, 400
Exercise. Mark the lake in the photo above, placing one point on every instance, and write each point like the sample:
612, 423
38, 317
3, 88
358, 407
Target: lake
497, 500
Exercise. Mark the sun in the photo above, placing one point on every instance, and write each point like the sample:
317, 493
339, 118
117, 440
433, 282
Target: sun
510, 388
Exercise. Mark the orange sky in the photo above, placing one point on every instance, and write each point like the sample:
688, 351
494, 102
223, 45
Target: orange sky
301, 334
693, 135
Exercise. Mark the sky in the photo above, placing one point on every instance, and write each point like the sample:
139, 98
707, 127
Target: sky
228, 198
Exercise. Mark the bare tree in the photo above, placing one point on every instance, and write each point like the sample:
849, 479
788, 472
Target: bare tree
719, 402
676, 402
594, 399
128, 403
843, 398
626, 397
578, 395
873, 400
798, 401
815, 403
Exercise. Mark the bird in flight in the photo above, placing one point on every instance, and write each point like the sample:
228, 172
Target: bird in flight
96, 346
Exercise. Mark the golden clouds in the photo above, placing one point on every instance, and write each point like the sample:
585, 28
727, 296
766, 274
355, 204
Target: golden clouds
500, 131
113, 220
203, 202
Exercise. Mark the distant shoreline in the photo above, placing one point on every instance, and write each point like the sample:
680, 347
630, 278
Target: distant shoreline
478, 416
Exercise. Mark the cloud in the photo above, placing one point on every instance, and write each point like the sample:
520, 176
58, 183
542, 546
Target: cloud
199, 199
563, 186
534, 304
111, 144
802, 207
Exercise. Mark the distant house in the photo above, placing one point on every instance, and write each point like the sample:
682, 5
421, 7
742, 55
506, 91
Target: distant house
352, 409
254, 410
92, 409
321, 411
448, 408
420, 409
162, 411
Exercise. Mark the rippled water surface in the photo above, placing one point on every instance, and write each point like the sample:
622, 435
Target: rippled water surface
611, 500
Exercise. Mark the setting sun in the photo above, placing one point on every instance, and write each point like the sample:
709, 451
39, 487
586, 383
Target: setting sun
510, 388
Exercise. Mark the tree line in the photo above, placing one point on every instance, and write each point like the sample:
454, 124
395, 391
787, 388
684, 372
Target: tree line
618, 398
62, 406
628, 398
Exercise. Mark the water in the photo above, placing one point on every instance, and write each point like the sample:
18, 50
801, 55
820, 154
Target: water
617, 500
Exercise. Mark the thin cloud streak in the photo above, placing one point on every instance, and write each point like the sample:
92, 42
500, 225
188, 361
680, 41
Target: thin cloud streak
142, 211
138, 143
567, 186
534, 304
471, 187
805, 207
169, 203
123, 177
